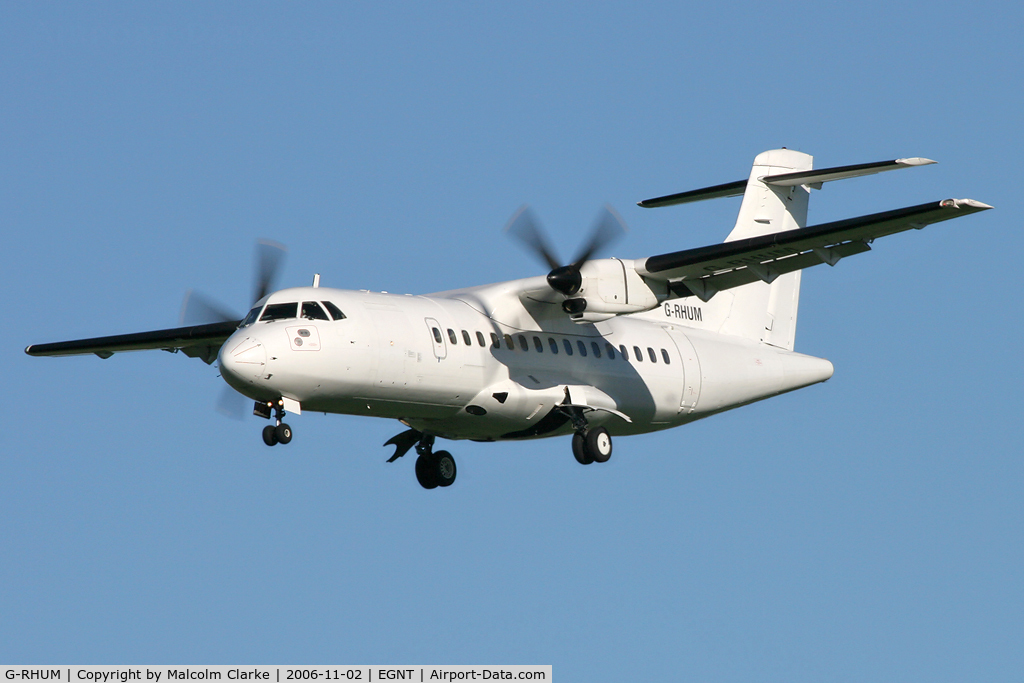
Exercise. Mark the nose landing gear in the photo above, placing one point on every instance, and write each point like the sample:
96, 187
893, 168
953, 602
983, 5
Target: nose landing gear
278, 432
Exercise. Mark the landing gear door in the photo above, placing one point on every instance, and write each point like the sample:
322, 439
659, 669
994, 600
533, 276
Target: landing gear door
437, 339
691, 371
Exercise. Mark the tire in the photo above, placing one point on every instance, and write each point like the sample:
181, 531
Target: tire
599, 444
269, 435
426, 472
444, 468
579, 449
283, 433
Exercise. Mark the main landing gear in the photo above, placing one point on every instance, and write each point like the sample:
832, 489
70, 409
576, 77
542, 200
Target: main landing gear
279, 432
433, 469
592, 445
589, 444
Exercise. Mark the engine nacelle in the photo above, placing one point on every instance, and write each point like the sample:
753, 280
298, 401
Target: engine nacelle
612, 287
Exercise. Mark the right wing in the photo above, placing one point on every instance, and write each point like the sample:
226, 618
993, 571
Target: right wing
707, 270
196, 341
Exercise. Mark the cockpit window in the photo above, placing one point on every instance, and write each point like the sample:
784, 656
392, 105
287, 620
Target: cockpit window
334, 310
279, 311
311, 311
251, 318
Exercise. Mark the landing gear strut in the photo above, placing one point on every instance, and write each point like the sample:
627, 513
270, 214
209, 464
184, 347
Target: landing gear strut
434, 469
279, 432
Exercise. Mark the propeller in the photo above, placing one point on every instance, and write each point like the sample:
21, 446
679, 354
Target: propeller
199, 309
565, 279
269, 257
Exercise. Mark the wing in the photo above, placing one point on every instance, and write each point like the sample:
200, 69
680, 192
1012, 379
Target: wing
196, 341
707, 270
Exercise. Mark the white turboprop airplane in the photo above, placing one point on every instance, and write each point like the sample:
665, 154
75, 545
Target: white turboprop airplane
596, 348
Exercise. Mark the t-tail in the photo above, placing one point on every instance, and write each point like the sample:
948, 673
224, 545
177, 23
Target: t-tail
775, 197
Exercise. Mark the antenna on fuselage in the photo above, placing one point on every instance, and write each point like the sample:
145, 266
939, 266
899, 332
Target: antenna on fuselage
316, 279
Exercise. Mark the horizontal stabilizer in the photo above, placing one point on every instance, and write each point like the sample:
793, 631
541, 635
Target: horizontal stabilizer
816, 177
714, 192
813, 178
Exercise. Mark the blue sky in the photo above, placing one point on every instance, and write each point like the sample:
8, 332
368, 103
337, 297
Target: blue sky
865, 529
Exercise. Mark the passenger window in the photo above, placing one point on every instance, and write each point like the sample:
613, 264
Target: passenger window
650, 354
664, 357
480, 339
624, 352
582, 347
611, 351
437, 335
451, 335
494, 341
509, 344
568, 347
538, 345
251, 318
466, 339
279, 311
333, 310
597, 349
523, 344
553, 345
311, 311
638, 354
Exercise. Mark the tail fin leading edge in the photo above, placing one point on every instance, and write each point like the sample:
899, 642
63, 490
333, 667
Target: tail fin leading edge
764, 311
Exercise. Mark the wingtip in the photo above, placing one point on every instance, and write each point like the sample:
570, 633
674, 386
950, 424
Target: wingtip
915, 161
970, 203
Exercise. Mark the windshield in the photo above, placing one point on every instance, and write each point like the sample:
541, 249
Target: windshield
311, 311
251, 318
279, 311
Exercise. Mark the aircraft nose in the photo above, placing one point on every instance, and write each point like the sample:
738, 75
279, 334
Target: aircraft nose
243, 360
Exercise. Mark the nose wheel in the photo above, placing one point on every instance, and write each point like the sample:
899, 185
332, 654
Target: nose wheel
272, 435
275, 433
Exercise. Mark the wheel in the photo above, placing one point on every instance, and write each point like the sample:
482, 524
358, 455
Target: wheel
426, 471
269, 435
444, 468
579, 449
598, 444
283, 433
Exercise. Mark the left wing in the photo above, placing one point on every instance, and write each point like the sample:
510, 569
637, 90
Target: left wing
196, 341
706, 270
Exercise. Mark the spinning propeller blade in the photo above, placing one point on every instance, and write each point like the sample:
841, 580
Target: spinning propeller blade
269, 257
523, 226
608, 227
198, 309
232, 404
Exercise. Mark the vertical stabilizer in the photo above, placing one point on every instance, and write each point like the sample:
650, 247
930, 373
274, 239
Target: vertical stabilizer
766, 311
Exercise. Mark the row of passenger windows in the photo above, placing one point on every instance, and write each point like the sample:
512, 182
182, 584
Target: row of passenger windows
595, 348
309, 310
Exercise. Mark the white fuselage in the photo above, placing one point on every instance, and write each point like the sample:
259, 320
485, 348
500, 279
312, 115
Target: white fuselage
384, 359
